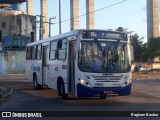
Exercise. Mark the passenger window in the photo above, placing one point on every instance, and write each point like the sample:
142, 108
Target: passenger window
33, 52
38, 52
53, 48
28, 56
62, 49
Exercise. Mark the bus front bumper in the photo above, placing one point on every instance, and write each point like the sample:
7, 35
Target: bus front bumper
84, 91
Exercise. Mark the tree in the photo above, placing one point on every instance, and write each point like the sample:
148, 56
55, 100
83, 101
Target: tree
137, 43
121, 29
140, 49
153, 48
145, 52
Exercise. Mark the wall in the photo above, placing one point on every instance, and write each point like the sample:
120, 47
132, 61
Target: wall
13, 62
156, 65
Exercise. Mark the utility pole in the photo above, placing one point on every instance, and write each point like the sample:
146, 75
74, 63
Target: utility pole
50, 25
27, 19
59, 16
41, 27
40, 30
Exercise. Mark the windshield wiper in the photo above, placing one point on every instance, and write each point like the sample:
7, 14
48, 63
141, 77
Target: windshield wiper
113, 48
99, 46
116, 44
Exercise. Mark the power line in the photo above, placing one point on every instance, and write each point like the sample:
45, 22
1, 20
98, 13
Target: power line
90, 12
94, 11
85, 14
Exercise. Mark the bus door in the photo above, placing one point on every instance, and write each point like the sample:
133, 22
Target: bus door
72, 56
45, 64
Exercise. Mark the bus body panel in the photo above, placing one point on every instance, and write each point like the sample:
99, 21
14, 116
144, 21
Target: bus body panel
34, 67
84, 91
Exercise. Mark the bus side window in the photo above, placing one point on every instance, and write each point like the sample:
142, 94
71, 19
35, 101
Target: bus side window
53, 48
62, 49
33, 52
38, 52
28, 56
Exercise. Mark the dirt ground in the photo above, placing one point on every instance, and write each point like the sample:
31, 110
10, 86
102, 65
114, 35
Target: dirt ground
155, 73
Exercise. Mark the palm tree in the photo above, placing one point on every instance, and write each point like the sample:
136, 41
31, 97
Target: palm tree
140, 49
137, 43
153, 48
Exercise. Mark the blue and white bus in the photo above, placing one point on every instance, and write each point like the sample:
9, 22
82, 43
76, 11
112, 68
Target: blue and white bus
86, 63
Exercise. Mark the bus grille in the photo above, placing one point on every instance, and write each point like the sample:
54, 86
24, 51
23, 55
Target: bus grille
107, 78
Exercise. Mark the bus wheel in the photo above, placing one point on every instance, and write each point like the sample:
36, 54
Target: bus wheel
59, 91
64, 95
36, 85
103, 96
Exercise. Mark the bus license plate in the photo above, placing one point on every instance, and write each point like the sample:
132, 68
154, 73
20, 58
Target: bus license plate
108, 92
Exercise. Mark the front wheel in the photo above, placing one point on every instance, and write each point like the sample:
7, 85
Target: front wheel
103, 96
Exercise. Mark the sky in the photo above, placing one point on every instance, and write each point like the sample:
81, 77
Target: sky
130, 14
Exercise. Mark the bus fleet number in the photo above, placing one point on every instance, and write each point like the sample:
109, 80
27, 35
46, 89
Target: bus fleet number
99, 84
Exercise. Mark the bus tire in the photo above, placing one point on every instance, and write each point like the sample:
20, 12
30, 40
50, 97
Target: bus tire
59, 90
35, 84
64, 95
103, 96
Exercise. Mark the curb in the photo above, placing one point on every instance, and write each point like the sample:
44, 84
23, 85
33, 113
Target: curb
5, 92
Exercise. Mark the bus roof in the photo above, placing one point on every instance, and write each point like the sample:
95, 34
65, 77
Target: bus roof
68, 34
75, 32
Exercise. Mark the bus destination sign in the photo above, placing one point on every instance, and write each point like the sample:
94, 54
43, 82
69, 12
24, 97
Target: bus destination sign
104, 35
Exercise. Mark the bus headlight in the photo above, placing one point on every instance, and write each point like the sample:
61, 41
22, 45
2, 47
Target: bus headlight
85, 82
127, 82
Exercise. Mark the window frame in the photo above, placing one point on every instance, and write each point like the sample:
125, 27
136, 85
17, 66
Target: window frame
50, 50
62, 48
33, 55
39, 52
29, 53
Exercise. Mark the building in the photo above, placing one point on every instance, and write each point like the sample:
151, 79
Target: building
152, 19
15, 23
14, 36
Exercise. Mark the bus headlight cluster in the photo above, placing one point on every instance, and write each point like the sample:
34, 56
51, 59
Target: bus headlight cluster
85, 82
127, 82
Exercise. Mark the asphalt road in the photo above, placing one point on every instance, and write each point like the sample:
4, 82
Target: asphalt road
145, 97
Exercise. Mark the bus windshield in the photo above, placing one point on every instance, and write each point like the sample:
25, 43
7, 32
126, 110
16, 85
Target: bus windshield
103, 57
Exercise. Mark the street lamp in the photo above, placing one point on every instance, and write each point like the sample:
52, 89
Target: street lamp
50, 25
130, 33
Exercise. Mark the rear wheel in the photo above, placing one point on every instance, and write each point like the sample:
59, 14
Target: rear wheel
62, 90
59, 91
35, 84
